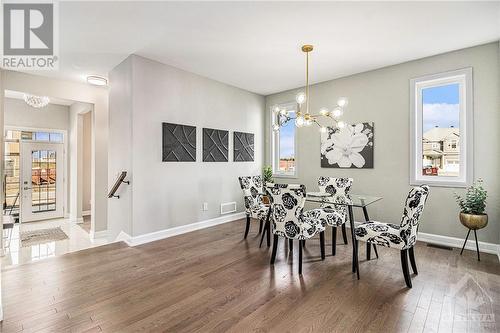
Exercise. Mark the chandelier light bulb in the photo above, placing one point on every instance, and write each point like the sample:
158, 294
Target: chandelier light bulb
340, 124
276, 128
337, 112
308, 122
300, 98
283, 112
299, 122
276, 109
323, 129
342, 102
323, 111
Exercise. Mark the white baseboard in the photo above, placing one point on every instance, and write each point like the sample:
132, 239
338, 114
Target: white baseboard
76, 220
98, 234
157, 235
458, 242
86, 213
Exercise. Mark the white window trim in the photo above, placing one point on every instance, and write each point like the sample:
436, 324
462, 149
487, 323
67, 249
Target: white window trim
275, 143
464, 78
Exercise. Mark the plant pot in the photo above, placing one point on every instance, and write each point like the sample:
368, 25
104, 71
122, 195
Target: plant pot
474, 222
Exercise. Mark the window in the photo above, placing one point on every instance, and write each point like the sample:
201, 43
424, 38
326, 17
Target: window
284, 149
441, 129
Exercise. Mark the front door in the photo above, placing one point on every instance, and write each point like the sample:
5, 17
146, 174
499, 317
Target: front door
41, 181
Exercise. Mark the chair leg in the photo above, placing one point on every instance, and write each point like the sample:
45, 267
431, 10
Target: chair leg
356, 261
375, 248
275, 247
264, 234
477, 246
300, 257
344, 233
411, 254
404, 266
465, 242
290, 245
268, 233
368, 251
322, 244
260, 226
334, 240
247, 228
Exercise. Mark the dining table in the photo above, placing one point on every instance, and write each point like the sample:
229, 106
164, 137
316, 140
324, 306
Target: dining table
353, 200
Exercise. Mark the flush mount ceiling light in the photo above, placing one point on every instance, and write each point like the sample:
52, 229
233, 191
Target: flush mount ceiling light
303, 116
97, 80
36, 101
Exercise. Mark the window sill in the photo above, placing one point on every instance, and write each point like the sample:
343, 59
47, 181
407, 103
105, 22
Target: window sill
285, 176
444, 183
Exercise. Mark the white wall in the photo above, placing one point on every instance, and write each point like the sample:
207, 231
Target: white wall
98, 97
167, 194
382, 96
87, 161
18, 113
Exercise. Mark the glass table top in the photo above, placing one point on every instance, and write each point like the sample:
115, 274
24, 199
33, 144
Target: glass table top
356, 200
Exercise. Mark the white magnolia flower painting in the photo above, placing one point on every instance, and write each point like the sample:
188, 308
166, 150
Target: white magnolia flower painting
348, 147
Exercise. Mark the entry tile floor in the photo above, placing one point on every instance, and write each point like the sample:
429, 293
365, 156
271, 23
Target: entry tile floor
78, 239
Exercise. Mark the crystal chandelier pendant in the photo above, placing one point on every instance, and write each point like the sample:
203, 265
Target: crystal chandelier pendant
36, 102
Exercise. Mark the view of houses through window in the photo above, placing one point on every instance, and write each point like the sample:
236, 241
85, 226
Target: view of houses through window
441, 130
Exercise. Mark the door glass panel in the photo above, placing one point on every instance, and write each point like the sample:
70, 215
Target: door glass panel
43, 180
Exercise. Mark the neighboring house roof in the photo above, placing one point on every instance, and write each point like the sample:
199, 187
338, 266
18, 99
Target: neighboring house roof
440, 134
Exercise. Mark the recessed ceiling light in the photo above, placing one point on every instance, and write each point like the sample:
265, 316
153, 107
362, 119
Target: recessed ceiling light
97, 80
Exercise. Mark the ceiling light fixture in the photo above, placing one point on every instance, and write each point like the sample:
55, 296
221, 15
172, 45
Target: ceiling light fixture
36, 101
97, 80
303, 116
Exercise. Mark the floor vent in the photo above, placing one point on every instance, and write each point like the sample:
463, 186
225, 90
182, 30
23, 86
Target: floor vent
442, 247
228, 207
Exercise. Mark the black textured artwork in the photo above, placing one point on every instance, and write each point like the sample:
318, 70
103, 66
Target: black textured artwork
243, 147
179, 143
215, 145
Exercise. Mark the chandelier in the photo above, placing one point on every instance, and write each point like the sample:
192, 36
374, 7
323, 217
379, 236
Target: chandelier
303, 116
36, 101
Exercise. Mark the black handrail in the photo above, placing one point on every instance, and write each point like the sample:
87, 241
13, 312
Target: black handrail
118, 182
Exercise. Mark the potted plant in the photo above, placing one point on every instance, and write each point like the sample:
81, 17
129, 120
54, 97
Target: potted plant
472, 206
267, 177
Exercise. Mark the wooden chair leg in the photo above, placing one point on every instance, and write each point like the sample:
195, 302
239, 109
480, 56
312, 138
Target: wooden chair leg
412, 260
275, 247
268, 233
465, 242
368, 251
334, 240
247, 228
260, 226
375, 249
300, 257
322, 244
266, 230
344, 234
404, 266
290, 245
356, 261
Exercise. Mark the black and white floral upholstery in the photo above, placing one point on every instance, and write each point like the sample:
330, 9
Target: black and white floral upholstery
333, 215
252, 190
287, 216
401, 236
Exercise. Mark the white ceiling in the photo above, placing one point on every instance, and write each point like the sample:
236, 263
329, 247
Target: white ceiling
256, 46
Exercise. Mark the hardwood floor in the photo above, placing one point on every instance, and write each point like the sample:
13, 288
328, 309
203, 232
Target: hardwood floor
213, 280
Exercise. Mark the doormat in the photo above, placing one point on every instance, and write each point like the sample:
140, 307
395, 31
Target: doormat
41, 236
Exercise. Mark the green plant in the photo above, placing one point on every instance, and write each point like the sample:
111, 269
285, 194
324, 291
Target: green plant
474, 201
267, 174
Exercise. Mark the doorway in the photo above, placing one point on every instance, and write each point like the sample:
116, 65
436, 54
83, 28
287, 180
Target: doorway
42, 189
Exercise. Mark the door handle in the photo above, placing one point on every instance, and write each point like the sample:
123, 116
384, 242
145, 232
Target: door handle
27, 188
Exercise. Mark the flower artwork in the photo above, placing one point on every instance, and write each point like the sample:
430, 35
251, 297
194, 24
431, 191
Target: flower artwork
348, 147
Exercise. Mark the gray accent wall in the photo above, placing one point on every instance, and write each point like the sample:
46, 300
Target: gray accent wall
383, 96
143, 95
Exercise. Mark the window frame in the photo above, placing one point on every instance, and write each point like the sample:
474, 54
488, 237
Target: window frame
275, 141
464, 78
